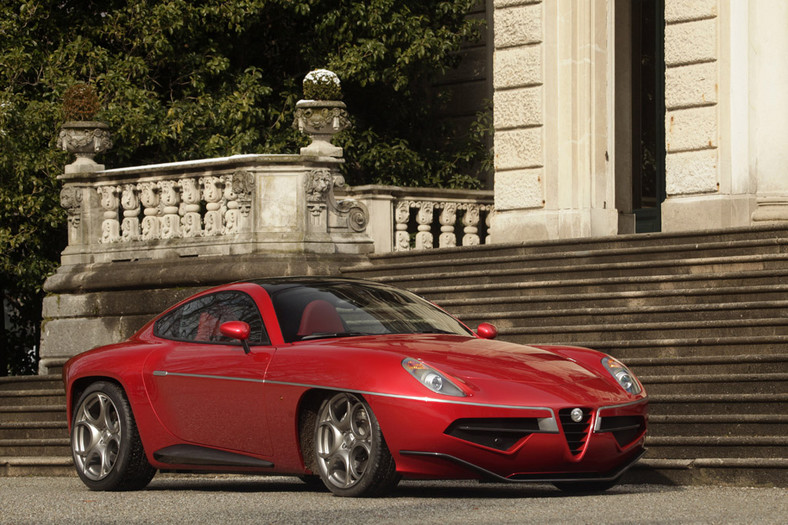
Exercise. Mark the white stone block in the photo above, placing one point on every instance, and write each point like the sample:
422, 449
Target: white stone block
518, 108
517, 190
691, 172
691, 85
517, 67
686, 10
691, 129
517, 149
517, 26
691, 42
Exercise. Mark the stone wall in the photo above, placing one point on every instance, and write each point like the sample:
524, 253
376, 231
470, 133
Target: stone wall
553, 120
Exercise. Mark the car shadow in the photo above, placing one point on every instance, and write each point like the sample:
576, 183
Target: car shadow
406, 489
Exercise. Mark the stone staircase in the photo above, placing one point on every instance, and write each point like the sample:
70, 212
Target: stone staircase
33, 430
702, 318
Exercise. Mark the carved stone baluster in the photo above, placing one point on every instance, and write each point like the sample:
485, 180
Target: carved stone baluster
448, 217
238, 194
470, 222
424, 240
151, 222
488, 239
71, 200
190, 207
110, 227
212, 193
170, 200
401, 219
130, 201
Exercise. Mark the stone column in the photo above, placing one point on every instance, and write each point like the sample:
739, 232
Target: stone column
553, 120
768, 25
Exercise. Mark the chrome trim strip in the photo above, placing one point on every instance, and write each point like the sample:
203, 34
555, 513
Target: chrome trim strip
598, 421
162, 373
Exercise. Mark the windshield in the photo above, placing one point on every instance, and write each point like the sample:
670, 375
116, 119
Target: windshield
315, 310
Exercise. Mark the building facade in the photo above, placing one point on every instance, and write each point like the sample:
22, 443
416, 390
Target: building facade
616, 117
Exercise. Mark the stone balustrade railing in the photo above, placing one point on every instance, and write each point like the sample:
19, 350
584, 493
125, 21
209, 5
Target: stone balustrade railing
258, 204
233, 205
403, 219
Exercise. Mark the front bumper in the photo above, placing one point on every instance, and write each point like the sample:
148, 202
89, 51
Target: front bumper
423, 438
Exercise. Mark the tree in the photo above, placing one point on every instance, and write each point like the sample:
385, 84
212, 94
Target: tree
186, 79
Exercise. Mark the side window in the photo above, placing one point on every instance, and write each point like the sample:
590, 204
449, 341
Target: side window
199, 320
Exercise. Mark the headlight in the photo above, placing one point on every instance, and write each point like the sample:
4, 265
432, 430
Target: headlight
431, 378
622, 374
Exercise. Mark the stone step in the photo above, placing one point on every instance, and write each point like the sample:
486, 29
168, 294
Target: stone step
37, 466
704, 346
716, 364
743, 472
687, 297
575, 335
32, 397
35, 447
33, 429
42, 382
680, 404
718, 425
33, 413
691, 447
630, 314
762, 383
440, 292
461, 261
493, 275
651, 244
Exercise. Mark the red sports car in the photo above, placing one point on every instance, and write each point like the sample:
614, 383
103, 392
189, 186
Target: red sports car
356, 382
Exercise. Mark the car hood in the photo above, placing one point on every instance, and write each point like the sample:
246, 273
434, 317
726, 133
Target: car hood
485, 362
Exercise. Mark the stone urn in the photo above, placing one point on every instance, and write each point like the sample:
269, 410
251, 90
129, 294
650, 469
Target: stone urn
85, 139
320, 120
321, 114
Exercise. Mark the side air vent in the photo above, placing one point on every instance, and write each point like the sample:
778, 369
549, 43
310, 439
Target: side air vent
497, 433
624, 428
576, 433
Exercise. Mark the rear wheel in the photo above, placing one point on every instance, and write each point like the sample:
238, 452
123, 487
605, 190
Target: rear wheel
105, 444
351, 454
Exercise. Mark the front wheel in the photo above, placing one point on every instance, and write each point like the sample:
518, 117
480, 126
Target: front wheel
352, 456
106, 447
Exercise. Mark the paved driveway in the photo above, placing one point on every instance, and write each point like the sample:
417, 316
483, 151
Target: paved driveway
237, 499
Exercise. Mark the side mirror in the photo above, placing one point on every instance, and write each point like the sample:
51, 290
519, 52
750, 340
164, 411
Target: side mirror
487, 331
237, 330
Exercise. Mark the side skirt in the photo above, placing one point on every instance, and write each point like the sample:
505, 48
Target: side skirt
196, 455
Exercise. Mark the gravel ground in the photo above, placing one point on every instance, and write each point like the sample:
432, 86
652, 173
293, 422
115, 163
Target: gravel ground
242, 499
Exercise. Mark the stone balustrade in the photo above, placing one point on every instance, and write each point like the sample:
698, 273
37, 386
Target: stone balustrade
258, 204
403, 219
236, 205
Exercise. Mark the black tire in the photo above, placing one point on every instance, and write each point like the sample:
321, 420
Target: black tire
313, 482
106, 447
351, 454
585, 487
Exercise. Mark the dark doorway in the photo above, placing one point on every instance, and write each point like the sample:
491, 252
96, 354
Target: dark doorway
648, 113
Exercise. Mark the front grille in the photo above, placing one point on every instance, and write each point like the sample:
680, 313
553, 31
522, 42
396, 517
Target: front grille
497, 433
576, 433
624, 428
